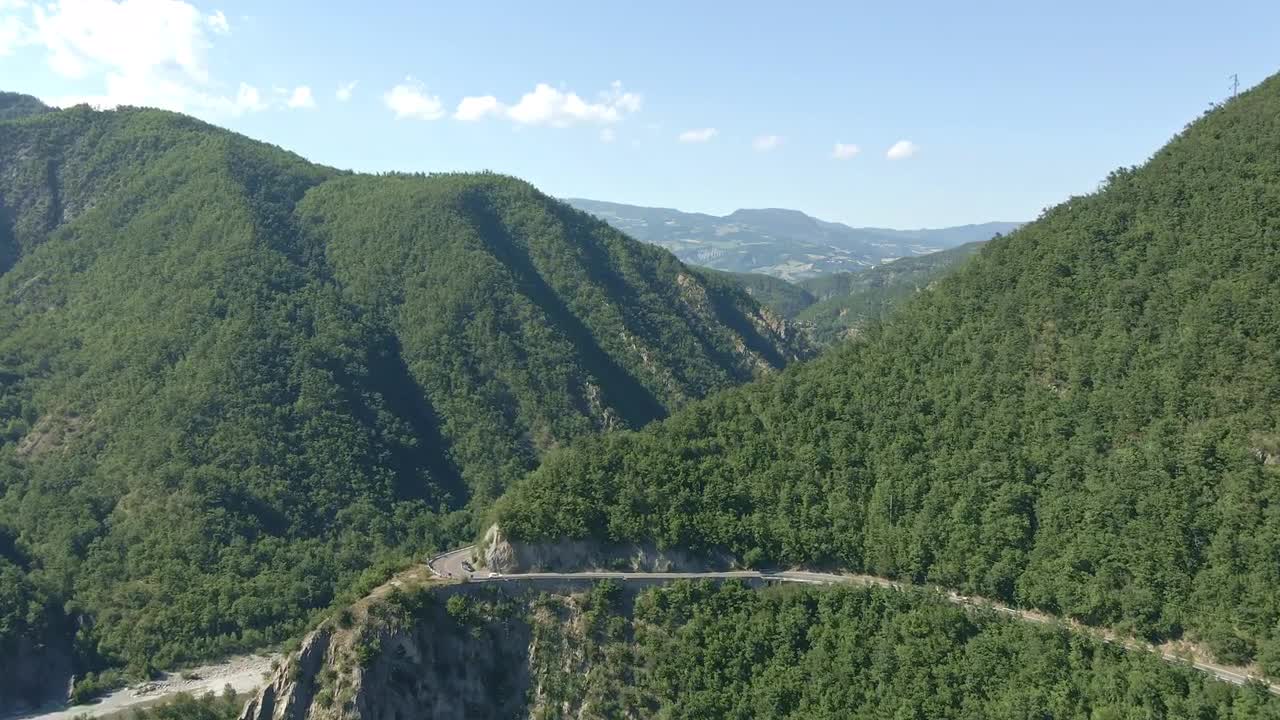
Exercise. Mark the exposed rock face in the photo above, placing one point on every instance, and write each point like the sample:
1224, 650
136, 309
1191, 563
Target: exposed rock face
393, 664
291, 690
506, 556
420, 647
34, 675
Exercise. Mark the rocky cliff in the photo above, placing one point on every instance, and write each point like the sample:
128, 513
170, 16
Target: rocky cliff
33, 675
420, 648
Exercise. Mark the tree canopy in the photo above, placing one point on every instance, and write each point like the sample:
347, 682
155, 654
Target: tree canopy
708, 651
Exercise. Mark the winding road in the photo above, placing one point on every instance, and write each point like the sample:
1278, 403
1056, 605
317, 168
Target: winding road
450, 565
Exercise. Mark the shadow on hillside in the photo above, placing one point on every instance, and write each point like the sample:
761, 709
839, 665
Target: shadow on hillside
407, 400
622, 392
580, 224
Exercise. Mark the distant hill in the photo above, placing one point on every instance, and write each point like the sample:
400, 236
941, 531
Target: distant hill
845, 302
788, 299
833, 307
783, 243
1083, 419
232, 380
16, 105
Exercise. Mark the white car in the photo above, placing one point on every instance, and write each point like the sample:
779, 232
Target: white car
494, 574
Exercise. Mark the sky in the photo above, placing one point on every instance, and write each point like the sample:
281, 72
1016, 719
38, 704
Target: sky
891, 114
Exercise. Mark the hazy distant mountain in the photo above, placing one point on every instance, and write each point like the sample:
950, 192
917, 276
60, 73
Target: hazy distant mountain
835, 306
784, 243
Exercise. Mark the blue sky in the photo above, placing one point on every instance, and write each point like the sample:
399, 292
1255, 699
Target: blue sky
998, 109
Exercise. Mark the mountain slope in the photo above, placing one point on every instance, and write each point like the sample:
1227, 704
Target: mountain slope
231, 380
784, 298
783, 243
1082, 419
844, 302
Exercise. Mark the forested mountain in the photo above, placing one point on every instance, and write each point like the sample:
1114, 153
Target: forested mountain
231, 380
784, 243
844, 302
16, 105
1082, 419
787, 299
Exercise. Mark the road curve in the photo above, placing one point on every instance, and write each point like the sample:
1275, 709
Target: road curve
450, 565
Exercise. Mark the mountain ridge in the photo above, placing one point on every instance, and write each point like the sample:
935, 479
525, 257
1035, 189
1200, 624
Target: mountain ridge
233, 382
781, 242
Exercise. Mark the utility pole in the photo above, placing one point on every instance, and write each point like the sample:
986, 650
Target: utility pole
1235, 85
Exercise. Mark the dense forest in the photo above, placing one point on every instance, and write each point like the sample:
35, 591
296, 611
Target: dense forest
843, 303
231, 381
1082, 419
787, 299
708, 651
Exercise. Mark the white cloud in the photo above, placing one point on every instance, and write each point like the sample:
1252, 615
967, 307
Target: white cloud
699, 135
218, 23
145, 52
477, 107
248, 99
122, 90
765, 143
344, 91
302, 98
130, 37
410, 100
902, 149
844, 151
546, 105
607, 135
14, 33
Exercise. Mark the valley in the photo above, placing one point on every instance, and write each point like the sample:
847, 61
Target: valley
341, 402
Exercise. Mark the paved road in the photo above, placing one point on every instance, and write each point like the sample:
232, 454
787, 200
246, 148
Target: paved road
450, 565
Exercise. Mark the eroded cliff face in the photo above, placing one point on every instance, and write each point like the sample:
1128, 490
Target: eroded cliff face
430, 650
33, 674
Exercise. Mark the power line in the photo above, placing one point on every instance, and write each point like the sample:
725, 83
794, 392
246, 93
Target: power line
1235, 85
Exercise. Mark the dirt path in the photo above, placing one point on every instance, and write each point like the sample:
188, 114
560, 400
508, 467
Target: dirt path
243, 674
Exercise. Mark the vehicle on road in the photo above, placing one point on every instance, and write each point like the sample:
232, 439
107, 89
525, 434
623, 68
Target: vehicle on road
494, 574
